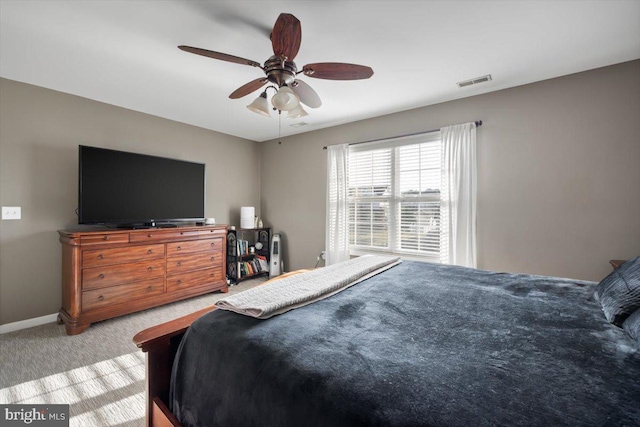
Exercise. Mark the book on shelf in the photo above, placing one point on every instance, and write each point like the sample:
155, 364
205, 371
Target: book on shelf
253, 266
262, 262
243, 247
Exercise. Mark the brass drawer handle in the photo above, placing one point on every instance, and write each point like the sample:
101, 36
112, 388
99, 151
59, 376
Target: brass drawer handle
149, 268
149, 235
150, 251
179, 263
101, 275
100, 298
106, 238
179, 248
178, 282
213, 244
100, 256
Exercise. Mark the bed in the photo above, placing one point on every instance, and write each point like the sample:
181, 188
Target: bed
418, 344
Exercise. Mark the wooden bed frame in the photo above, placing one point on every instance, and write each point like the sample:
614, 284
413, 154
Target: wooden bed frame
160, 343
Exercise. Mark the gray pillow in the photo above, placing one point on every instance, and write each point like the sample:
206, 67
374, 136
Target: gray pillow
619, 292
632, 326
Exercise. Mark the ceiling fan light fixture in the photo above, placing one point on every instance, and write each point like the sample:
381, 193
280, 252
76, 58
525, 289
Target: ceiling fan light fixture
297, 112
285, 99
260, 105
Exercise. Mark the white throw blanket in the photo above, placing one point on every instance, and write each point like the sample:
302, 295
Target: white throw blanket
296, 291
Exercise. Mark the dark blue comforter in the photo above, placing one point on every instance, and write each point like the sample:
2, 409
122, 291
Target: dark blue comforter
420, 344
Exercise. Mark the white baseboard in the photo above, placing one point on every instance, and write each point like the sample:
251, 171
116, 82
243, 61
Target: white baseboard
28, 323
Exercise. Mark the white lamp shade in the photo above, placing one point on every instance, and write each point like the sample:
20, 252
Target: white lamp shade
247, 216
296, 112
285, 99
260, 105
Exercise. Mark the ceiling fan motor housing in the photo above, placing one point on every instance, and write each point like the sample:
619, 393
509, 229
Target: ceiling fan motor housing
280, 72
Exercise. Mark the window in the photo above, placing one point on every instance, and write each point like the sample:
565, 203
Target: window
394, 197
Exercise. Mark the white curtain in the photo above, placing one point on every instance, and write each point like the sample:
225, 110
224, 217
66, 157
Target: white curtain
459, 188
337, 237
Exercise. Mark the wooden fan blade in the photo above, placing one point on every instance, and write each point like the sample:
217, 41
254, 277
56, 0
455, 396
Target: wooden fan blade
246, 89
307, 95
286, 36
337, 71
220, 56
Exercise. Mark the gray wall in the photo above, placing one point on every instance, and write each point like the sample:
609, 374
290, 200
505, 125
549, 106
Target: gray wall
558, 173
40, 131
558, 170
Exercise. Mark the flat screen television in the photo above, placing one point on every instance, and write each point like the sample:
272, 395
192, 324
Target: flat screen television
129, 189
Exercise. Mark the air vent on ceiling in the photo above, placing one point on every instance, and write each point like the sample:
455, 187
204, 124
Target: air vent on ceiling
475, 81
297, 125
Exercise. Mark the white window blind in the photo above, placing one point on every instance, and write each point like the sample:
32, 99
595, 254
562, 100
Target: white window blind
394, 197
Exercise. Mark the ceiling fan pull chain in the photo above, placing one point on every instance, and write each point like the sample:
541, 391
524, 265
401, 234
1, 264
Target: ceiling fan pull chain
279, 127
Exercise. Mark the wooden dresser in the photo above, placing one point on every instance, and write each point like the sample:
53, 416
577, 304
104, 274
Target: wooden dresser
108, 273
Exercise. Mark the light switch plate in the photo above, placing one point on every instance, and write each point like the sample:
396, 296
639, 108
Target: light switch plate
11, 212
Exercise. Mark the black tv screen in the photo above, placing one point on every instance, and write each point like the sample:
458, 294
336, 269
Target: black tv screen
117, 187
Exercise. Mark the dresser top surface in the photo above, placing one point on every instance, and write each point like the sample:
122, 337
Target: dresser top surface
93, 230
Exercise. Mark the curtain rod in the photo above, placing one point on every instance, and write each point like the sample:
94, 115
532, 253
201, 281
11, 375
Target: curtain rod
478, 123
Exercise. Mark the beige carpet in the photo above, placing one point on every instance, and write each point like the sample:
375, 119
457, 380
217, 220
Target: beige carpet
100, 373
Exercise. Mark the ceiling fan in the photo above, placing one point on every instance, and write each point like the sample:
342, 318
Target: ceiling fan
282, 71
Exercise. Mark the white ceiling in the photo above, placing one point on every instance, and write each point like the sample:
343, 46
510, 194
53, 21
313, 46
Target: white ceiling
124, 52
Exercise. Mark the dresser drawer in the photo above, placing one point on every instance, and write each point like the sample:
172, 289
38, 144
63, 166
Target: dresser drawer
99, 257
99, 277
107, 238
122, 293
194, 262
216, 232
194, 246
160, 235
193, 279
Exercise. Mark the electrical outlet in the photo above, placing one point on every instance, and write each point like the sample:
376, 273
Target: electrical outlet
11, 212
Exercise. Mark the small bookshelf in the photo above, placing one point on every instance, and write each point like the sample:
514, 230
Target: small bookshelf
248, 253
